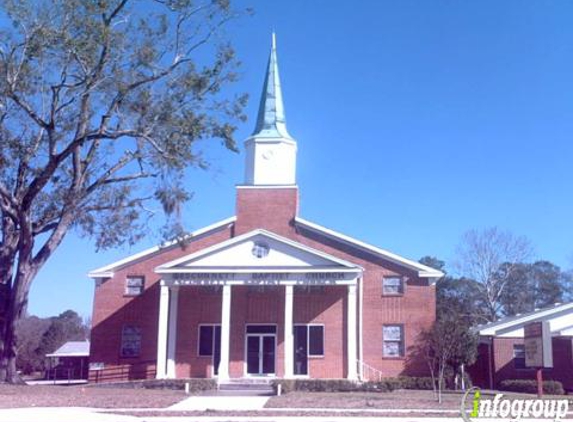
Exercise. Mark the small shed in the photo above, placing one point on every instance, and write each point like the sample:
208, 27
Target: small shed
71, 361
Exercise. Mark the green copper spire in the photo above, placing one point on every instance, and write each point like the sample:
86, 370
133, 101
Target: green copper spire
271, 122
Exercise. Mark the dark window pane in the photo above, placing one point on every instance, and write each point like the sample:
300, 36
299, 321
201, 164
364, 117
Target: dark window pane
261, 329
300, 350
519, 356
316, 340
268, 355
130, 341
206, 340
253, 349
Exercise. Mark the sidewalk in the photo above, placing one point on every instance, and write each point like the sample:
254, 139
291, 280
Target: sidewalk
94, 415
62, 414
77, 414
203, 403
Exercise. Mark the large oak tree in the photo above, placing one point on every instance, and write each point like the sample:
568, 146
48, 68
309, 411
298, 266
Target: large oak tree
102, 103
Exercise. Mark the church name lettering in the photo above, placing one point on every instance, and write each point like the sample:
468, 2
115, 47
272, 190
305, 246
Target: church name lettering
208, 279
204, 279
324, 276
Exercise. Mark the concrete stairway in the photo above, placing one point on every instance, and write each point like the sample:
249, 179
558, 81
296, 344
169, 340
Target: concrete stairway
247, 387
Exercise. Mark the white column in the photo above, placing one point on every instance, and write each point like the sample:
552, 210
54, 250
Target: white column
288, 330
172, 335
225, 333
361, 327
161, 366
351, 333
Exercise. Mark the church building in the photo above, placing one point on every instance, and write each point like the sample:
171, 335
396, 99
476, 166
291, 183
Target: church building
264, 293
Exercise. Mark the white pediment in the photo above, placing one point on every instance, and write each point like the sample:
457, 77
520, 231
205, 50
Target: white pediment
257, 250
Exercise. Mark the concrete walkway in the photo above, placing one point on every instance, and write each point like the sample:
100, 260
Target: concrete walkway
62, 414
57, 414
203, 403
56, 382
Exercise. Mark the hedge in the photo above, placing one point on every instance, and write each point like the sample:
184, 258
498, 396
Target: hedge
195, 384
342, 385
530, 386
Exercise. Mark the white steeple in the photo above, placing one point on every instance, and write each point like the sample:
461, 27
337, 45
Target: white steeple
270, 150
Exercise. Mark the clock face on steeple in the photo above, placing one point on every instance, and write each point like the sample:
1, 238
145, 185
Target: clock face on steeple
268, 154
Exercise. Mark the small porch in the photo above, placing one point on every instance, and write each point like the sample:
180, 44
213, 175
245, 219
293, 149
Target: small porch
259, 269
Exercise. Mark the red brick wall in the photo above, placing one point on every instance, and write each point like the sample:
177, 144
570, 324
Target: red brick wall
274, 210
563, 361
266, 208
112, 309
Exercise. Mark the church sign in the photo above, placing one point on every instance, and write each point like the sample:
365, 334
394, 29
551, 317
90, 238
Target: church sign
537, 342
261, 278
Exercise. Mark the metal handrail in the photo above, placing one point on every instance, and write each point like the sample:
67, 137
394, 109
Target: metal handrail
368, 372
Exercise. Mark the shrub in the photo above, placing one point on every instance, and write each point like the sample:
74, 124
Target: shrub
195, 384
530, 386
416, 383
316, 385
343, 385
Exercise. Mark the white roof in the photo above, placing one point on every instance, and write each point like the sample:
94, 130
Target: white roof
107, 271
423, 270
72, 348
559, 316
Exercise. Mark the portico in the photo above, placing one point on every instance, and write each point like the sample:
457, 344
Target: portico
266, 261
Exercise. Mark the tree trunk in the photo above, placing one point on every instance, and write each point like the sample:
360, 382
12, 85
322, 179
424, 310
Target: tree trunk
8, 372
16, 301
20, 258
6, 272
441, 380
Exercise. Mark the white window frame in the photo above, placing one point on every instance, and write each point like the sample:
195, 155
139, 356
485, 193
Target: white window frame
400, 286
402, 341
132, 278
308, 355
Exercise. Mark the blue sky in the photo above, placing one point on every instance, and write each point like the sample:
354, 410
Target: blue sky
415, 122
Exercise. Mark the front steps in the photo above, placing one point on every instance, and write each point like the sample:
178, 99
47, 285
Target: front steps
247, 387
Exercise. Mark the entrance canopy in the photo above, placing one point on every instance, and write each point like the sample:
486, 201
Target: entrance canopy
256, 258
259, 258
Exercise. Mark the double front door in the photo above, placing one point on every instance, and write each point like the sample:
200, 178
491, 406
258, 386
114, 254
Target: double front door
260, 349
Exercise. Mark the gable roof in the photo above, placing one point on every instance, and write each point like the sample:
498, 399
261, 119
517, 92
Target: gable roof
516, 323
235, 254
108, 270
423, 270
72, 348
